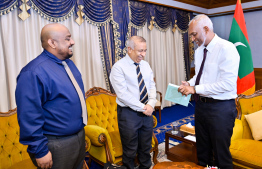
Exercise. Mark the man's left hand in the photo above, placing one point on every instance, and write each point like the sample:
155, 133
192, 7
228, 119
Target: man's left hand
186, 90
148, 110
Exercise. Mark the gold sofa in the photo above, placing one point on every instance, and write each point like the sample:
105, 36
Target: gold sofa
102, 128
13, 155
246, 152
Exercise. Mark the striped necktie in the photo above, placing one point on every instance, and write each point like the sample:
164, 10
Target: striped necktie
79, 92
142, 86
196, 96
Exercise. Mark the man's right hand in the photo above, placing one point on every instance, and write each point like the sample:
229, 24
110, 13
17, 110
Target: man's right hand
45, 162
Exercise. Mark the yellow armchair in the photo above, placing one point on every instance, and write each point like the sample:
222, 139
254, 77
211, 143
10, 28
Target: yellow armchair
13, 155
246, 152
102, 128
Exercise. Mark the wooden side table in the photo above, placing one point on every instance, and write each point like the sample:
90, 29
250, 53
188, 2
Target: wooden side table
185, 151
175, 165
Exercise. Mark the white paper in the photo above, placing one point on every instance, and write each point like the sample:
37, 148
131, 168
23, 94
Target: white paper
189, 125
192, 138
173, 95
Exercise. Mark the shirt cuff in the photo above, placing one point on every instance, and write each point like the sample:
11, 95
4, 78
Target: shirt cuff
42, 153
152, 103
199, 89
190, 84
141, 107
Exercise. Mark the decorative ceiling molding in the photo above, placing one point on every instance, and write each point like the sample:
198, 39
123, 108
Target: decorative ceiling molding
209, 4
219, 7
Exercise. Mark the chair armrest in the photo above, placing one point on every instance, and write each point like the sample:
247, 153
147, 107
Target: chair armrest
87, 143
160, 96
237, 130
154, 121
99, 137
94, 132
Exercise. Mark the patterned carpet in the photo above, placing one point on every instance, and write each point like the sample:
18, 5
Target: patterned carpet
160, 131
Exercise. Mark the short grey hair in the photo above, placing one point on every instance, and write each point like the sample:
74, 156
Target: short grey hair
202, 20
131, 41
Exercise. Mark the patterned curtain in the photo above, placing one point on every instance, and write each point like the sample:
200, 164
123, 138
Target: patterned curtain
117, 20
162, 18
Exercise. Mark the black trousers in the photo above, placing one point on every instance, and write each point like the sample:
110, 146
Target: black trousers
136, 136
68, 152
214, 124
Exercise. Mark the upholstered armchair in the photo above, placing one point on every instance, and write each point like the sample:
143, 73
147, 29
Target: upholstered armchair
246, 152
102, 128
13, 155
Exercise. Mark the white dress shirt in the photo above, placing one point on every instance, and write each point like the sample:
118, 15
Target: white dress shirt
220, 72
123, 78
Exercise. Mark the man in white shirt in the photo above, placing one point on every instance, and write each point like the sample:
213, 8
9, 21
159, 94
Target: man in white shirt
214, 88
133, 81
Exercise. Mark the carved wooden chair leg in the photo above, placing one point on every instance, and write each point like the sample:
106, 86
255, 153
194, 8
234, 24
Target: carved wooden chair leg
155, 153
136, 161
89, 162
85, 165
159, 110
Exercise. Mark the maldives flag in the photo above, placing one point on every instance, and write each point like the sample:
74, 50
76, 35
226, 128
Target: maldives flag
238, 36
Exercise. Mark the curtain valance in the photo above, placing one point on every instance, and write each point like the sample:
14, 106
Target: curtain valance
160, 17
139, 14
97, 11
53, 10
7, 6
58, 10
101, 11
115, 19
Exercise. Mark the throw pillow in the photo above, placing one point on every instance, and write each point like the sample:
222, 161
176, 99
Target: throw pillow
254, 122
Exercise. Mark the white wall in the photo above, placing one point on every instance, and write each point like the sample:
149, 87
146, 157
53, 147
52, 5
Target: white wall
222, 26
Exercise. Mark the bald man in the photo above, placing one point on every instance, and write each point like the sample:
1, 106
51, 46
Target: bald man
48, 106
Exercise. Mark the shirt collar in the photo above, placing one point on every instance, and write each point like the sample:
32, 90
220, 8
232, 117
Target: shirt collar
212, 44
130, 61
53, 57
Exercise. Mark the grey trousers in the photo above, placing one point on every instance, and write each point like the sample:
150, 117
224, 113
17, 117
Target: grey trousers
68, 152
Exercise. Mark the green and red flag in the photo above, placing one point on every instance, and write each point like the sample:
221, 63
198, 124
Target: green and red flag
238, 36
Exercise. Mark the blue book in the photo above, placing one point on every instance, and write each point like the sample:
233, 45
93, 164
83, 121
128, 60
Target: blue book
173, 95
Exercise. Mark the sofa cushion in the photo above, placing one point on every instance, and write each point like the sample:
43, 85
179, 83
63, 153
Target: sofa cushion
25, 164
247, 151
254, 122
158, 103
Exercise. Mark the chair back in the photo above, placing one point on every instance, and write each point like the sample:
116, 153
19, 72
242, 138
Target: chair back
248, 104
11, 151
102, 108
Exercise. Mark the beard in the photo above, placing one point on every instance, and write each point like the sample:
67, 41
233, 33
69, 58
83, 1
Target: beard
65, 54
69, 56
204, 39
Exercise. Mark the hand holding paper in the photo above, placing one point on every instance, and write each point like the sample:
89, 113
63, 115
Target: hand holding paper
186, 90
173, 95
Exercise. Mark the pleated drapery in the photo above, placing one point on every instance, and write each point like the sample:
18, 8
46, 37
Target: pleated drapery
99, 27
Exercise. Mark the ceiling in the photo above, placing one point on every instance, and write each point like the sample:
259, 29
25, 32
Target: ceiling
209, 4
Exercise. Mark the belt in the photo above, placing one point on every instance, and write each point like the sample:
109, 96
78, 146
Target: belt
208, 99
58, 137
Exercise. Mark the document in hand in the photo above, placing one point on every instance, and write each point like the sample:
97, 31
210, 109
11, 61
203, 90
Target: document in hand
173, 95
